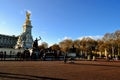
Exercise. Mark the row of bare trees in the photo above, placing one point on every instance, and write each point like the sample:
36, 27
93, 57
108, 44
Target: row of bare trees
110, 42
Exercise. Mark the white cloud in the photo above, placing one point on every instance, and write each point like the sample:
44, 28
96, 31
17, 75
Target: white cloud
93, 37
59, 39
66, 38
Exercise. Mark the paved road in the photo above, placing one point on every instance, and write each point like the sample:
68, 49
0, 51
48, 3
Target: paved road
57, 70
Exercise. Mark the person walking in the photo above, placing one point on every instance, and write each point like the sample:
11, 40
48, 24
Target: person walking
65, 58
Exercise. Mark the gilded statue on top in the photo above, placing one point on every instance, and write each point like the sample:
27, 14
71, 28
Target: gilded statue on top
28, 22
28, 15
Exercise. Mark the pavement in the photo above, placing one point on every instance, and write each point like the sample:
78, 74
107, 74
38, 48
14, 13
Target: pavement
57, 70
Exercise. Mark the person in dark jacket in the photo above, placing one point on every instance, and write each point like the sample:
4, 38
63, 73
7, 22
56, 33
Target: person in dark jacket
65, 58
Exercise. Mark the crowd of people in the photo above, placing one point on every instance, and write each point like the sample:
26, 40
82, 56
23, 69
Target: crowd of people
42, 54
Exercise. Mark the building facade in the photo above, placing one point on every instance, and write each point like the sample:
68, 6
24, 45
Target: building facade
7, 41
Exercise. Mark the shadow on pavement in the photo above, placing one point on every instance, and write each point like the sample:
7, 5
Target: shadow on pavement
11, 76
95, 64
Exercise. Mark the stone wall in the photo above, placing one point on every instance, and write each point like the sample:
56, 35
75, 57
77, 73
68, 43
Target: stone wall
11, 51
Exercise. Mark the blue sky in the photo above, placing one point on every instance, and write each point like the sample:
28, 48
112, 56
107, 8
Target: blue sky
55, 20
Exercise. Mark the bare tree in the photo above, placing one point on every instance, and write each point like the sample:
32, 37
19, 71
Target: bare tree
43, 45
66, 44
55, 47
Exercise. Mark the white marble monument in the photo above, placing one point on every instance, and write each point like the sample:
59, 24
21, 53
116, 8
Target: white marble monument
25, 40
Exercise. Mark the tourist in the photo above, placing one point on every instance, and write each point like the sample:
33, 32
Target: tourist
4, 55
65, 58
